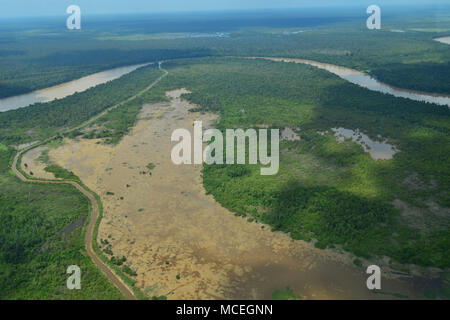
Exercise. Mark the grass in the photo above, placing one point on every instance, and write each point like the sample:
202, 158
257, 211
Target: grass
61, 173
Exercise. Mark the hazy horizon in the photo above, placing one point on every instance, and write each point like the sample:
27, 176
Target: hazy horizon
43, 8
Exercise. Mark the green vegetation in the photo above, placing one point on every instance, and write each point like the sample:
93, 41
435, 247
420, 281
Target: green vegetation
108, 250
444, 291
33, 59
129, 271
319, 176
394, 294
43, 120
40, 54
118, 261
130, 282
61, 173
333, 192
117, 122
44, 157
287, 294
150, 166
429, 294
357, 263
328, 191
3, 148
34, 256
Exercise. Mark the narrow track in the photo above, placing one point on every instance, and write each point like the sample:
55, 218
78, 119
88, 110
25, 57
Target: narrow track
116, 280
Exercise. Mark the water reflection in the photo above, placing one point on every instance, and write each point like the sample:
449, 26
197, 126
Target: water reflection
378, 150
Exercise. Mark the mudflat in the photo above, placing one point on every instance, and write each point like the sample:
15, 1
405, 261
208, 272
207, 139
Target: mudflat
185, 245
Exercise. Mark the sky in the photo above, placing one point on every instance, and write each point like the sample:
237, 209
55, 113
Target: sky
24, 8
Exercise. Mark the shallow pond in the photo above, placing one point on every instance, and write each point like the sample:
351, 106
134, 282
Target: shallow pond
378, 150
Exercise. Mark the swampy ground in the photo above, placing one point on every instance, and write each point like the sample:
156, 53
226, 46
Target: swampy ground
181, 243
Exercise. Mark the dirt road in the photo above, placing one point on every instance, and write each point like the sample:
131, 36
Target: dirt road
107, 271
89, 235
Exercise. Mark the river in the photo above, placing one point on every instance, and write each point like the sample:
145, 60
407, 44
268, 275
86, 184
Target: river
445, 40
364, 80
65, 89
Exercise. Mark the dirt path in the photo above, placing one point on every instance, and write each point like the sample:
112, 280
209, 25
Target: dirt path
107, 271
94, 215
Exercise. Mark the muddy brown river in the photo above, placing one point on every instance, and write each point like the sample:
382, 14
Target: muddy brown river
65, 89
364, 80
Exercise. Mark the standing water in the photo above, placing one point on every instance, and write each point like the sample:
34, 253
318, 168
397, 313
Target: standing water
378, 150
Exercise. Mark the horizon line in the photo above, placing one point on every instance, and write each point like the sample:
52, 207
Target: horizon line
234, 10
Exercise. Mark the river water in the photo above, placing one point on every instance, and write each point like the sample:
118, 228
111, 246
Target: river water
445, 40
65, 89
366, 81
